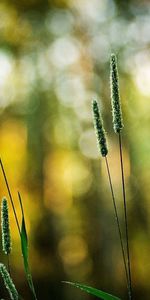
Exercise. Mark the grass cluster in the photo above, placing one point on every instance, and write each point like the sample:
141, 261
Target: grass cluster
103, 150
117, 121
6, 243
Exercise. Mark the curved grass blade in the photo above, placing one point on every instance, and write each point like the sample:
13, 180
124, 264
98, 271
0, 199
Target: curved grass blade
24, 248
98, 293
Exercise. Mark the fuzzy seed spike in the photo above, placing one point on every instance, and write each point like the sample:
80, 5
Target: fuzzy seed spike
115, 95
6, 239
8, 283
99, 129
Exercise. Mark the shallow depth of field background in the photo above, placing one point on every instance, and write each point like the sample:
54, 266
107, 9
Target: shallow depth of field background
54, 59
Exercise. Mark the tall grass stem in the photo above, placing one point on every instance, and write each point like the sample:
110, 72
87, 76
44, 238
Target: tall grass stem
117, 220
125, 216
10, 195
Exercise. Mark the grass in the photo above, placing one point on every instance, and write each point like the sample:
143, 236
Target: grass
118, 126
103, 150
23, 240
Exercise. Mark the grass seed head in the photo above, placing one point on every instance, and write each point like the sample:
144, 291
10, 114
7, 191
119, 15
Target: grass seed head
115, 95
99, 129
6, 239
8, 283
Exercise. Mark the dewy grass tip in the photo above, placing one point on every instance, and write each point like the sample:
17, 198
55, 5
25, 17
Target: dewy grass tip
99, 129
6, 239
8, 283
115, 95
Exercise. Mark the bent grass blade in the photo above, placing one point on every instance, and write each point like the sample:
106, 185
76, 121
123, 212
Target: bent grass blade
98, 293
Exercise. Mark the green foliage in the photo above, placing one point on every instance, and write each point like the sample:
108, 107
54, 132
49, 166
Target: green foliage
24, 248
99, 129
115, 96
98, 293
22, 234
6, 239
8, 283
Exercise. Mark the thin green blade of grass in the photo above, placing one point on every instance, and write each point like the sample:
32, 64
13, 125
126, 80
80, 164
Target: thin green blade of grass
24, 248
95, 292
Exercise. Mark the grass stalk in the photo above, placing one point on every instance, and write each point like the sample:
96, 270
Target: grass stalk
10, 195
102, 147
8, 263
125, 216
117, 221
118, 125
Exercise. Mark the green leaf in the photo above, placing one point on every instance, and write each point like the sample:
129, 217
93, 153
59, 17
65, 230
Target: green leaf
24, 248
98, 293
24, 244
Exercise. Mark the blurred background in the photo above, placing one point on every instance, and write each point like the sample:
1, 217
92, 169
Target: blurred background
54, 59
